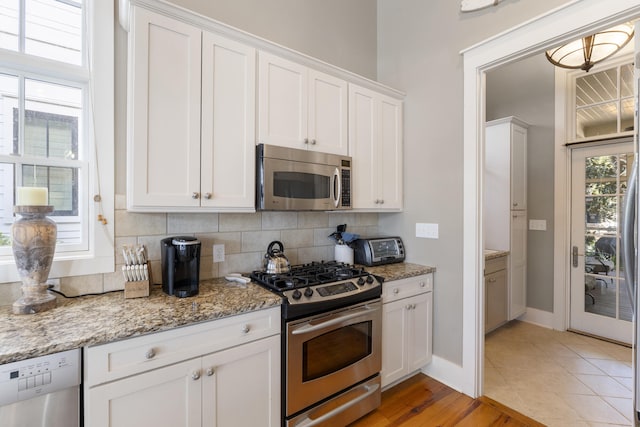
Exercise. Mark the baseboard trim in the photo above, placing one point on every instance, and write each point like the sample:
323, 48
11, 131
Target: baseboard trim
538, 317
448, 373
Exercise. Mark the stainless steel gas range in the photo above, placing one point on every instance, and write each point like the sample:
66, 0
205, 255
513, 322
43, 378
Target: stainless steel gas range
332, 325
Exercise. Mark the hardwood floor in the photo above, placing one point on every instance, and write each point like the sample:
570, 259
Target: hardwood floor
423, 401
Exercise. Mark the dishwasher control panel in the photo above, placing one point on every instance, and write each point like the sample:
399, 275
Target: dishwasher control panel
39, 375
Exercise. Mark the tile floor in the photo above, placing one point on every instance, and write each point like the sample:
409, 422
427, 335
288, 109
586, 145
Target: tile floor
559, 378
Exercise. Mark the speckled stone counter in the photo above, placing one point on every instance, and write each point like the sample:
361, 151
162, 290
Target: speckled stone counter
400, 270
89, 320
490, 254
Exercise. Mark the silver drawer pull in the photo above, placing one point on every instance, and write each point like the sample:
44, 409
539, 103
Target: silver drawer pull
195, 375
210, 372
245, 329
151, 353
396, 290
207, 196
195, 195
408, 306
422, 284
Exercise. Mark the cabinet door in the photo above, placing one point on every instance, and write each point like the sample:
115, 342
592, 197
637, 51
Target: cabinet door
518, 167
228, 123
518, 265
420, 339
327, 113
390, 154
363, 135
394, 341
166, 397
241, 385
164, 112
282, 102
495, 300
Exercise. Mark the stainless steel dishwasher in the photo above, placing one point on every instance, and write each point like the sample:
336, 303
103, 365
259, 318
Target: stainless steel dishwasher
42, 391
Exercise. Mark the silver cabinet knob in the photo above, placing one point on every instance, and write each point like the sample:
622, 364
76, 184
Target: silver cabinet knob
151, 353
381, 201
245, 329
422, 284
210, 371
396, 290
313, 142
408, 306
207, 196
306, 140
195, 375
195, 195
413, 306
515, 204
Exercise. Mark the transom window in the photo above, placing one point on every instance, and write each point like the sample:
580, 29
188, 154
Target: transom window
604, 101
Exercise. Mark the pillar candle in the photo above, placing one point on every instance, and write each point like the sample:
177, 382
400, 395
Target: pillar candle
32, 196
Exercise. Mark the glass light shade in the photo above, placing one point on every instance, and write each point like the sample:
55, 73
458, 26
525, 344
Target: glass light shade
588, 51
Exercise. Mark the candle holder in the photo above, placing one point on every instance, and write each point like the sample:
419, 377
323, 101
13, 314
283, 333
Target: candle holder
34, 244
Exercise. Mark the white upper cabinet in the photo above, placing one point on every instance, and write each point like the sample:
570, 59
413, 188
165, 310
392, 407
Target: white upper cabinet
164, 113
191, 118
228, 123
299, 107
375, 145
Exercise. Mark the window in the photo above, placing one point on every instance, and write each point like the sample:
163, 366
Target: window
56, 125
603, 101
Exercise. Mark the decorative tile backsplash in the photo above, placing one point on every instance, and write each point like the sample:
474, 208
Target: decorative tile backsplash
245, 237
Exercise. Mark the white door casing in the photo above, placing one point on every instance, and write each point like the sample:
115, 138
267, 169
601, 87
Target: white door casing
562, 24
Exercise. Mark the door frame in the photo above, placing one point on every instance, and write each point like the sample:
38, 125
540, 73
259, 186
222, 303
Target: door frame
573, 20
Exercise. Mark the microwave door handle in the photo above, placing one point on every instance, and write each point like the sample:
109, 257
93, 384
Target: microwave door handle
308, 328
336, 187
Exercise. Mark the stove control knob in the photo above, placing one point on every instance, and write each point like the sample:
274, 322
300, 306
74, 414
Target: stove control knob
308, 292
369, 279
360, 281
296, 294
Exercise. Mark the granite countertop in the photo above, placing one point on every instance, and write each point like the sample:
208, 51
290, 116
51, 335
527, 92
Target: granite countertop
91, 320
400, 270
98, 319
493, 254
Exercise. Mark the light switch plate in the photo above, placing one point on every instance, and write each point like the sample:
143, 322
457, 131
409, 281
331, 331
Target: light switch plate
426, 230
538, 224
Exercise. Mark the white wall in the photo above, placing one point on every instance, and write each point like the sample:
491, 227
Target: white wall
418, 52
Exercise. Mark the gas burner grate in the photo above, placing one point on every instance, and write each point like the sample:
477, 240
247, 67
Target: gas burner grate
313, 273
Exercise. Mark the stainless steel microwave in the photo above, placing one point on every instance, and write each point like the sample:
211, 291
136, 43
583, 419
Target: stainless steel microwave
289, 179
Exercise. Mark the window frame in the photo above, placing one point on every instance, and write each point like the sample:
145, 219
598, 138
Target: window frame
617, 62
98, 78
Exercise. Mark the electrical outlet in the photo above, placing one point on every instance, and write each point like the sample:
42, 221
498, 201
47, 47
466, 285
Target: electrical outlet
54, 284
218, 253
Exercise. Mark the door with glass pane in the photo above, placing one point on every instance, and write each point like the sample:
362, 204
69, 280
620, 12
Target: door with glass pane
600, 302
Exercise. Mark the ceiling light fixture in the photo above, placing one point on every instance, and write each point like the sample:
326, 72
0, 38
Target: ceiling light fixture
588, 51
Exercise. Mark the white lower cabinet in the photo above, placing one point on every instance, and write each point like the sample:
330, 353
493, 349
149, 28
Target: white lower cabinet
406, 327
234, 386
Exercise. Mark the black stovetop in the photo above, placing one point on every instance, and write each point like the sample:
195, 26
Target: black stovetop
304, 275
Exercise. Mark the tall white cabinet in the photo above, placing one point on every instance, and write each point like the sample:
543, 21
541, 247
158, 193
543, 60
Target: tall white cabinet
505, 202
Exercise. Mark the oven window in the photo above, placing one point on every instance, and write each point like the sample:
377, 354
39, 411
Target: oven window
335, 350
299, 185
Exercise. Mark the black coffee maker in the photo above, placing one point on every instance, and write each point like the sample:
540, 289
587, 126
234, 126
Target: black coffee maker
180, 265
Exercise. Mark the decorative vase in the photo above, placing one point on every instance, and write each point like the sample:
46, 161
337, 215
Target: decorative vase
34, 244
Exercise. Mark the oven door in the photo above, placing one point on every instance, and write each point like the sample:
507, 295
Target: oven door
294, 185
330, 352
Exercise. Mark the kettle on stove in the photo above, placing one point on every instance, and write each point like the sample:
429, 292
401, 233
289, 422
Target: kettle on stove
275, 261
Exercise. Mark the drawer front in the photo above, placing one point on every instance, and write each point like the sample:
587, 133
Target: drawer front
404, 288
495, 264
131, 356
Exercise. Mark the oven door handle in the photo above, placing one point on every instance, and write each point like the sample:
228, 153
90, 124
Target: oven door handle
308, 328
308, 422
